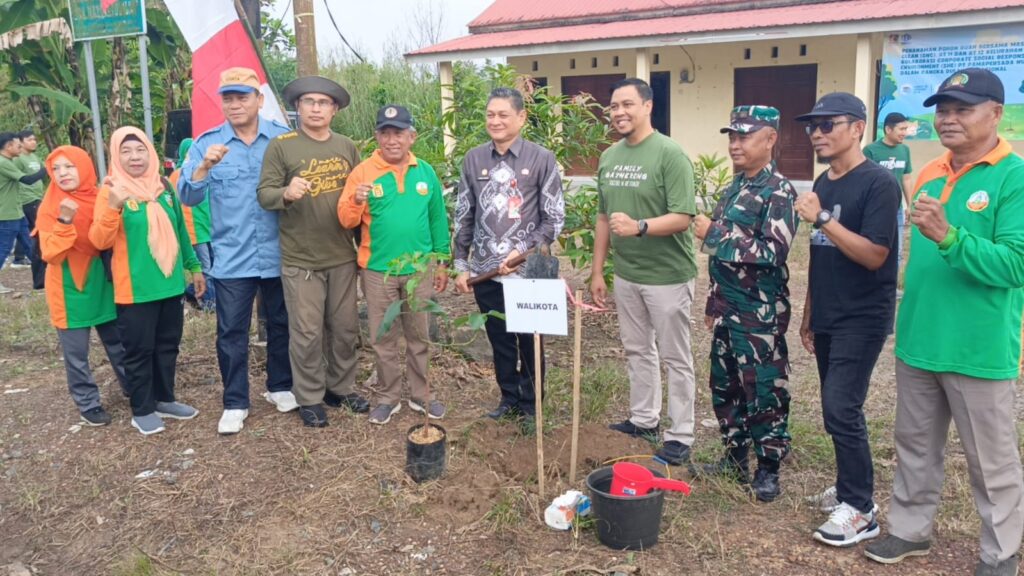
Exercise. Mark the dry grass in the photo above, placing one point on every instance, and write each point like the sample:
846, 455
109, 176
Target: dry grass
282, 499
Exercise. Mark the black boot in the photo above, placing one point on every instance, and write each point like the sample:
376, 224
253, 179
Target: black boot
766, 481
734, 465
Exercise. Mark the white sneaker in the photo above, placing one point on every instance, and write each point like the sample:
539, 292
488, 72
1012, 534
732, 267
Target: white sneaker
285, 401
847, 526
232, 421
827, 501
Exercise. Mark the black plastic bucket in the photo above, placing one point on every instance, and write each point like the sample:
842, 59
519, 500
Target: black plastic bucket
624, 522
425, 461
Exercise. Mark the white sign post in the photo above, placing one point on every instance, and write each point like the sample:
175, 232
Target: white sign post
538, 307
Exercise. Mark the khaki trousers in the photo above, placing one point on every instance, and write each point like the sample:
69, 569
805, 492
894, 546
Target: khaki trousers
323, 328
983, 411
654, 324
380, 294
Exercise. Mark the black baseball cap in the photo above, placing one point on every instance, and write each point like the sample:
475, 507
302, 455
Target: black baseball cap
836, 104
394, 116
970, 85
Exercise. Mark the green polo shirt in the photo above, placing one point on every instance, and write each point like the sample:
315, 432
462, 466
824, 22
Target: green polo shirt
963, 302
10, 190
29, 164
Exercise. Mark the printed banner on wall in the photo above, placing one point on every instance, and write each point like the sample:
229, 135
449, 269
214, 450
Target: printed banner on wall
915, 63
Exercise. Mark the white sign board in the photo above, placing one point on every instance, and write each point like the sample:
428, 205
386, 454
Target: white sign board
536, 306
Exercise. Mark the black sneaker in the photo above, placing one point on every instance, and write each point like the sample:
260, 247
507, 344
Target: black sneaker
95, 417
674, 453
353, 401
504, 411
766, 485
627, 427
313, 416
892, 549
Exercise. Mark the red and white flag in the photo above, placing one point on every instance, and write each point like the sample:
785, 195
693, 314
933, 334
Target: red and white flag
218, 40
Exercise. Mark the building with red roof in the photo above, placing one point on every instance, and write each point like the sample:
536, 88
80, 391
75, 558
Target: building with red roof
702, 57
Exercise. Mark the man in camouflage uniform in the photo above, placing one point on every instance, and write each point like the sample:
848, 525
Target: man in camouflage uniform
748, 239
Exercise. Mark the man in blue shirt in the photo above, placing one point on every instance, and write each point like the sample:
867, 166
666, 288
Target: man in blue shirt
225, 163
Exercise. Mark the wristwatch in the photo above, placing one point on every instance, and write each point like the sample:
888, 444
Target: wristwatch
63, 221
641, 228
824, 217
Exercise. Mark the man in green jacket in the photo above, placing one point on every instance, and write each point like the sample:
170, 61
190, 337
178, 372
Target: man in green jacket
958, 332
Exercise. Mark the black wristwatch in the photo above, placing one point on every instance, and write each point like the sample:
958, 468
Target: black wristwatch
641, 228
63, 221
824, 217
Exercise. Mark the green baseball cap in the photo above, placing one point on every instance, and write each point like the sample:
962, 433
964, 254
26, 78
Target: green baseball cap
748, 119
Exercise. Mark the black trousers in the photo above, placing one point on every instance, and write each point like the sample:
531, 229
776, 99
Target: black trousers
514, 359
151, 334
845, 363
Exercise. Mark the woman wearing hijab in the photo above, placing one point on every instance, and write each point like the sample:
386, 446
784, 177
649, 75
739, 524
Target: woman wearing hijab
139, 216
197, 222
78, 292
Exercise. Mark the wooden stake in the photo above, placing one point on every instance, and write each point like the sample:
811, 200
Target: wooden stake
305, 38
576, 370
538, 387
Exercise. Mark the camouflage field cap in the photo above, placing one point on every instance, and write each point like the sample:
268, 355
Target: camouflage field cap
748, 119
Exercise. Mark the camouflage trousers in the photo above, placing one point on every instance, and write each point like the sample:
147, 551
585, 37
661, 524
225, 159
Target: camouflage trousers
749, 373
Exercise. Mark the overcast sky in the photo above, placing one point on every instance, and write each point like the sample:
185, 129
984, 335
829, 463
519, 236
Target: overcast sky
376, 27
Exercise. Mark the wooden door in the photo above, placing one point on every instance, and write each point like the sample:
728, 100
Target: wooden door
791, 89
598, 86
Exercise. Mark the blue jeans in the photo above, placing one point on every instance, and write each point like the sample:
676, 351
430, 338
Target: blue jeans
205, 256
845, 363
234, 318
8, 232
23, 243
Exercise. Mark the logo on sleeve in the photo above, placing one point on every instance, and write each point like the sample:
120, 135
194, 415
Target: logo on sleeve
978, 201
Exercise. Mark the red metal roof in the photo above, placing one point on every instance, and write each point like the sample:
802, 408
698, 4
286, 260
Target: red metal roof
505, 12
745, 20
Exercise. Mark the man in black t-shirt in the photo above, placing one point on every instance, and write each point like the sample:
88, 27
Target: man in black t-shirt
851, 300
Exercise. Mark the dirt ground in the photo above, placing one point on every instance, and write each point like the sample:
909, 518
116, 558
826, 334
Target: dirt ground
282, 499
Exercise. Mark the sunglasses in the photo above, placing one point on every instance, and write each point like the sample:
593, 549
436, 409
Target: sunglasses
826, 127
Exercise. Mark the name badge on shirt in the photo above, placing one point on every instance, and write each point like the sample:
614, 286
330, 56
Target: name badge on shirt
514, 204
378, 191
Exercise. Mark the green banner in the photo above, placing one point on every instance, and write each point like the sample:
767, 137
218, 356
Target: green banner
95, 19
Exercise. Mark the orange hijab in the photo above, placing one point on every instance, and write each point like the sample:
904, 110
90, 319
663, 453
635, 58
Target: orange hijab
80, 256
163, 242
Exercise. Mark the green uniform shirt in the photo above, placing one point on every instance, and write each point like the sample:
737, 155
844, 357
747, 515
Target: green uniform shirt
962, 305
312, 238
137, 277
10, 190
896, 158
650, 179
94, 304
396, 219
29, 164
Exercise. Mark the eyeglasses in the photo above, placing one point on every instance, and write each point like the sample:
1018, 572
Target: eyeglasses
316, 103
826, 127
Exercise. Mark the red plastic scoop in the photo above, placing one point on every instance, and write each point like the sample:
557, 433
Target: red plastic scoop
629, 479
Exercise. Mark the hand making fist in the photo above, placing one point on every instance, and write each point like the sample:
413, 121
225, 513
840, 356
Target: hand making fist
68, 209
362, 193
214, 154
298, 188
929, 216
701, 223
622, 225
808, 206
